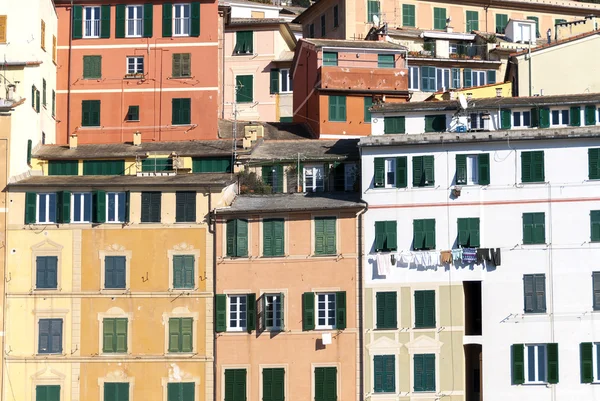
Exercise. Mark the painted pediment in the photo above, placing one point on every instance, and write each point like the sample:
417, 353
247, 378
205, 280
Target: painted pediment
384, 345
424, 345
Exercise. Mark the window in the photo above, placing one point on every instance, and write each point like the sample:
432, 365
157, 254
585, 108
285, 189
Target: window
521, 119
424, 234
330, 59
114, 332
90, 113
390, 173
235, 384
473, 169
181, 391
350, 174
273, 311
535, 363
44, 92
537, 25
594, 164
501, 22
151, 207
237, 238
47, 393
413, 78
337, 108
336, 16
181, 20
53, 103
272, 176
424, 372
534, 231
116, 391
384, 368
311, 31
478, 78
385, 61
63, 167
81, 211
115, 276
29, 146
46, 208
273, 388
325, 311
286, 82
428, 75
439, 18
50, 336
181, 111
472, 21
595, 225
534, 288
408, 15
135, 65
244, 88
135, 20
325, 235
373, 10
46, 272
468, 232
368, 103
560, 117
323, 25
325, 384
273, 237
442, 78
211, 165
385, 236
532, 166
423, 170
455, 83
92, 67
54, 49
181, 65
238, 307
183, 271
244, 42
133, 113
157, 164
2, 28
590, 362
386, 306
91, 17
103, 167
185, 206
180, 334
314, 179
596, 290
590, 115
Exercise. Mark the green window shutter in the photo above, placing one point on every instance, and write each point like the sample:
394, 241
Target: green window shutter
386, 310
526, 167
394, 125
241, 242
108, 335
251, 312
116, 391
77, 22
535, 117
330, 59
53, 103
380, 235
474, 231
37, 101
532, 166
518, 363
273, 384
29, 146
195, 19
529, 299
461, 169
308, 311
594, 164
121, 335
63, 207
424, 309
211, 165
47, 393
185, 206
368, 103
575, 116
340, 310
33, 96
418, 234
538, 166
463, 232
401, 172
127, 206
483, 166
384, 373
544, 117
435, 123
472, 21
586, 362
501, 22
595, 225
467, 78
491, 77
90, 116
596, 290
167, 20
417, 167
325, 384
244, 92
337, 108
439, 18
391, 235
148, 19
379, 176
534, 228
590, 115
274, 81
220, 313
44, 92
385, 61
552, 360
419, 372
133, 113
505, 119
105, 21
429, 362
120, 10
408, 15
428, 171
30, 207
99, 206
325, 236
268, 237
63, 167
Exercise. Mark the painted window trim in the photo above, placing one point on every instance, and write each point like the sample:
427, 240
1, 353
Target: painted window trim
313, 235
289, 78
248, 370
177, 313
126, 379
140, 10
189, 20
119, 251
284, 309
37, 207
229, 329
536, 365
261, 367
42, 249
115, 313
98, 11
136, 64
90, 206
184, 252
165, 381
317, 310
118, 206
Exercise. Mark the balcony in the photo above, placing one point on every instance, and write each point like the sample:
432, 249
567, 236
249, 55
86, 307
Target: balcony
364, 79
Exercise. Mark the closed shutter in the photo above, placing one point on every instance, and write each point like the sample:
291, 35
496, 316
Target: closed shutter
380, 235
418, 176
368, 103
235, 385
401, 172
195, 19
505, 119
50, 336
518, 364
501, 22
575, 116
474, 232
90, 113
379, 176
394, 125
245, 93
429, 367
540, 292
187, 325
340, 310
220, 313
47, 393
461, 169
325, 235
491, 77
183, 271
181, 391
439, 18
590, 115
424, 309
308, 311
544, 117
384, 373
385, 61
63, 167
472, 21
391, 236
273, 237
274, 88
167, 20
77, 22
46, 272
418, 234
185, 206
180, 334
30, 208
114, 272
120, 10
552, 361
596, 290
419, 373
230, 228
326, 384
116, 391
408, 15
586, 362
594, 164
251, 312
337, 108
529, 293
386, 314
63, 207
273, 384
467, 77
483, 166
148, 19
241, 238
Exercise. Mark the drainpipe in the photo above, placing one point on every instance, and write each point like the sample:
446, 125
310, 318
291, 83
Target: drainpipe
361, 341
212, 221
5, 264
69, 74
529, 59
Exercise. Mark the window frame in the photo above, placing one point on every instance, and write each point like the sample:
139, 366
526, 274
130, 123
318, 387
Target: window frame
90, 207
389, 169
330, 313
138, 17
235, 369
57, 271
284, 76
94, 21
118, 288
117, 206
237, 319
183, 22
62, 335
340, 104
536, 360
49, 197
523, 122
314, 170
596, 362
115, 351
560, 113
412, 76
278, 311
385, 362
136, 65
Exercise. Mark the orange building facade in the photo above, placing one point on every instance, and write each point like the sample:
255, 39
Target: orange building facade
337, 81
150, 68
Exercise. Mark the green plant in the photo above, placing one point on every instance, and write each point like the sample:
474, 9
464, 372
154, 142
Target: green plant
491, 39
250, 183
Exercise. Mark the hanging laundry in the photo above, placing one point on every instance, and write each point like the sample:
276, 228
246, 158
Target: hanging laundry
486, 255
434, 258
384, 265
457, 254
469, 255
482, 254
445, 257
419, 258
496, 257
406, 258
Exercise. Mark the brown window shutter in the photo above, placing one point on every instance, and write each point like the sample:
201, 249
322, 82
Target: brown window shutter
43, 35
2, 28
54, 48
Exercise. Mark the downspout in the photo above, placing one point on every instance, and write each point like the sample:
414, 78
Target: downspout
69, 75
359, 218
211, 229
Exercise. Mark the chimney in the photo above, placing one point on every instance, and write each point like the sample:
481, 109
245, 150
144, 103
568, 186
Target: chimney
137, 138
449, 29
73, 141
498, 92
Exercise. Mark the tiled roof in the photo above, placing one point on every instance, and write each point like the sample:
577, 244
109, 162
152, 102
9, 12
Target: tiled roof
557, 43
293, 202
362, 44
256, 21
273, 131
306, 150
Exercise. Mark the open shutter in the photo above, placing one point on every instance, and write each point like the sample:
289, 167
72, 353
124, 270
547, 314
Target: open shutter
64, 207
461, 169
380, 234
105, 21
274, 81
251, 312
418, 234
167, 20
518, 364
174, 334
529, 293
268, 238
586, 362
429, 228
535, 117
231, 237
595, 225
308, 311
187, 328
401, 172
188, 271
594, 164
552, 359
281, 300
544, 117
575, 116
463, 232
108, 334
178, 271
30, 207
148, 19
121, 335
505, 119
220, 313
590, 115
483, 165
330, 235
429, 170
419, 309
99, 206
526, 167
429, 308
127, 197
474, 232
195, 19
419, 372
120, 10
391, 236
417, 165
379, 177
278, 185
77, 22
467, 78
538, 166
340, 310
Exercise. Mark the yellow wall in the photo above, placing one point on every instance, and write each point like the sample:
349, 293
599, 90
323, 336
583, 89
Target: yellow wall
476, 92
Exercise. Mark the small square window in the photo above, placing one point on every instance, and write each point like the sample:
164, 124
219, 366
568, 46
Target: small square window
133, 113
135, 65
325, 311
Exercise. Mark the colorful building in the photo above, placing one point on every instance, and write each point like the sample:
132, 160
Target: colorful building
126, 68
337, 81
288, 280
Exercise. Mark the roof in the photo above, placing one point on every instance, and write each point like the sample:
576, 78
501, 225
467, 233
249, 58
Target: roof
249, 3
296, 10
405, 32
273, 131
306, 150
491, 103
256, 21
125, 181
353, 44
557, 43
113, 150
293, 202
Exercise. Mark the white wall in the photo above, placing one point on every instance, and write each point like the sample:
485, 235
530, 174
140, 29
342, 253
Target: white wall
244, 10
566, 199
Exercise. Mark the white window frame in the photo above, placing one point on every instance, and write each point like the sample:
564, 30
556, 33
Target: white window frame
183, 24
390, 167
472, 162
446, 75
287, 78
521, 119
138, 61
561, 122
274, 299
475, 75
238, 304
314, 170
453, 48
328, 312
81, 217
412, 72
595, 350
94, 22
535, 361
117, 206
136, 23
48, 196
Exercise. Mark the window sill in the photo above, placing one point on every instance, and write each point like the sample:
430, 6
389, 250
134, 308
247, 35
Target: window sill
114, 354
132, 121
328, 255
539, 245
40, 290
50, 354
424, 328
181, 125
182, 290
113, 290
545, 313
383, 329
180, 354
189, 77
337, 121
273, 257
91, 126
91, 78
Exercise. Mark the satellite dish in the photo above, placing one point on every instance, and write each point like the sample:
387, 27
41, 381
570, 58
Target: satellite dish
463, 101
375, 20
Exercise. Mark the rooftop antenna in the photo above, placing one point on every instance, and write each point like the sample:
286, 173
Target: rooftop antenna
463, 101
375, 20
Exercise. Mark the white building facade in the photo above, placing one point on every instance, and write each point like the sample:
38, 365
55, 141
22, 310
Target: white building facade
521, 320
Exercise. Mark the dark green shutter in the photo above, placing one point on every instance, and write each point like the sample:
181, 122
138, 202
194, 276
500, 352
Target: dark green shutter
241, 238
120, 10
467, 78
532, 166
325, 236
417, 165
419, 372
273, 384
77, 22
47, 393
105, 21
63, 206
368, 103
386, 310
491, 77
384, 374
463, 232
595, 225
273, 237
587, 362
308, 311
127, 197
30, 207
340, 310
245, 92
461, 169
274, 81
99, 206
391, 235
590, 115
220, 313
231, 237
394, 125
250, 312
472, 21
195, 19
379, 235
167, 20
235, 385
29, 146
424, 309
544, 117
534, 231
148, 19
505, 119
575, 116
325, 384
552, 359
379, 179
483, 165
401, 172
594, 163
501, 22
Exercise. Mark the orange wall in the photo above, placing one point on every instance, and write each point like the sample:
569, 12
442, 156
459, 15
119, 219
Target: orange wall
153, 93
